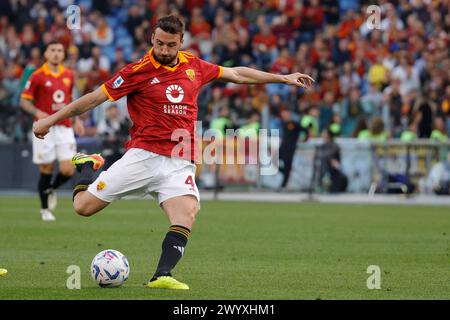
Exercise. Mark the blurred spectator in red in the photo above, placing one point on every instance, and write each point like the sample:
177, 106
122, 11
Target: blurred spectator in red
351, 21
103, 35
281, 28
330, 81
312, 17
284, 63
264, 46
95, 77
59, 29
199, 27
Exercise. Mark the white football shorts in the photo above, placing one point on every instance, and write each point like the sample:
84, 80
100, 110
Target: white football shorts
140, 172
59, 144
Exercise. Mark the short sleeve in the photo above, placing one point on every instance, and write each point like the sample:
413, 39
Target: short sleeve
123, 83
31, 86
210, 71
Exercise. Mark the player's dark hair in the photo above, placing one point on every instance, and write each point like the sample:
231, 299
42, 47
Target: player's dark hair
170, 24
52, 43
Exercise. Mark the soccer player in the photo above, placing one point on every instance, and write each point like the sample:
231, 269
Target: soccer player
162, 90
49, 89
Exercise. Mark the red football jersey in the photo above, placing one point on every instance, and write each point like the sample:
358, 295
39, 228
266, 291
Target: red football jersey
162, 102
50, 91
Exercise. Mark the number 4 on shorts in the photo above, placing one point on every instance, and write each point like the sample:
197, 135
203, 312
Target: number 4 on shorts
191, 182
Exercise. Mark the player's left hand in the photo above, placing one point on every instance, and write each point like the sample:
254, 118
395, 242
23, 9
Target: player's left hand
78, 127
299, 79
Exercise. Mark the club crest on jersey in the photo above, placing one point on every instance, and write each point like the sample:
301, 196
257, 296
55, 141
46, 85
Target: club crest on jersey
175, 93
191, 74
66, 81
118, 82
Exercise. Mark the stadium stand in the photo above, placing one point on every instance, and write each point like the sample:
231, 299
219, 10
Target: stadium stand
396, 75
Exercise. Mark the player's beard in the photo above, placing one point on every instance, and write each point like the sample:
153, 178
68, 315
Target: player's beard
55, 61
166, 60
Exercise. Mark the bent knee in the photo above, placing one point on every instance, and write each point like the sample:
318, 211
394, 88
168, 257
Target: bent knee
83, 209
86, 204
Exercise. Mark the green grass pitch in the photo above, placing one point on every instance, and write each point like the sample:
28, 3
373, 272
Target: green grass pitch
238, 250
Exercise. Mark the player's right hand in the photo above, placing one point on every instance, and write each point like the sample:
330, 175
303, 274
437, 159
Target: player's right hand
41, 128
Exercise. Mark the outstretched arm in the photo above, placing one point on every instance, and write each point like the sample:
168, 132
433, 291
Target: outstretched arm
87, 102
253, 76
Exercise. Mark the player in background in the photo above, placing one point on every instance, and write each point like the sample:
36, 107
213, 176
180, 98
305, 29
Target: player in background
162, 90
49, 89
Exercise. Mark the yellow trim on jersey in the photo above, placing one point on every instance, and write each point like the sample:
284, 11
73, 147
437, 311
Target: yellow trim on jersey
107, 93
220, 72
143, 62
27, 96
48, 72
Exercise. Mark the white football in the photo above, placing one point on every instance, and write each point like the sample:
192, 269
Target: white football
110, 268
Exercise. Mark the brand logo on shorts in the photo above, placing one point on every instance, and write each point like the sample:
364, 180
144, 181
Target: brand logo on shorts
100, 186
175, 93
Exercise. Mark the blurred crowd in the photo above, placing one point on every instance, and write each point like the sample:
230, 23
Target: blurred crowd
373, 81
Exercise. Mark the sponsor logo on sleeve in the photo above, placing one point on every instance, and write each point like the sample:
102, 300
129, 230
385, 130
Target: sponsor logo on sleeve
118, 82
